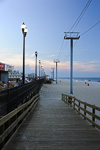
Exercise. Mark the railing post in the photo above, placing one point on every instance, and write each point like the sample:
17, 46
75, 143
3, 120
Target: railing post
78, 107
84, 111
74, 101
93, 118
70, 100
66, 98
62, 97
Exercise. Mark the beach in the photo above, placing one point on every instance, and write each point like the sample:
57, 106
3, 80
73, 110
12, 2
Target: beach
83, 92
87, 91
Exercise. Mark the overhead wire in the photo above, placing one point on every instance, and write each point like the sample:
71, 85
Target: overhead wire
90, 28
81, 15
60, 49
76, 22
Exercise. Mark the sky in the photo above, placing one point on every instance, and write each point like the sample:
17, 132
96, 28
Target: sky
46, 21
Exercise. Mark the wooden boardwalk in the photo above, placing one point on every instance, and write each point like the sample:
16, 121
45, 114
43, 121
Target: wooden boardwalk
54, 125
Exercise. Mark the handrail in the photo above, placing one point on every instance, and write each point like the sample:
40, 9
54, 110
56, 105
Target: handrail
10, 99
81, 108
11, 122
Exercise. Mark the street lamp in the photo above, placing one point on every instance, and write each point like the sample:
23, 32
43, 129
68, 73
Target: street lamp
24, 31
56, 61
39, 68
36, 65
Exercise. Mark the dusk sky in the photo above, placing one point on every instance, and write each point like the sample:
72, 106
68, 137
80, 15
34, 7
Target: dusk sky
47, 20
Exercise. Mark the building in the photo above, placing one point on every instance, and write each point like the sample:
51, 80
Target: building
5, 69
9, 68
3, 73
7, 72
13, 75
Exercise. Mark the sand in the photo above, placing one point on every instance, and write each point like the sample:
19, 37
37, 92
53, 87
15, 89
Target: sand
89, 94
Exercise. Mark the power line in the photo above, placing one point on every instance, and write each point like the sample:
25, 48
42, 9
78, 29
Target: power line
60, 48
90, 28
64, 46
80, 16
76, 22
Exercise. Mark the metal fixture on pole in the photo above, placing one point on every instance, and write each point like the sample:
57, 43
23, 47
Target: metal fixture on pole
24, 31
56, 61
72, 36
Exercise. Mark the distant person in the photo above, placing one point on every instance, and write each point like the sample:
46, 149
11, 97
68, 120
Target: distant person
4, 83
16, 84
19, 82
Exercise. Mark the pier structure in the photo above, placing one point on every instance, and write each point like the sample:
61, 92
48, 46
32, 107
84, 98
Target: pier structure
47, 122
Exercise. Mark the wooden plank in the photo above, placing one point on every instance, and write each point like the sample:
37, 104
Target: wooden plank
55, 126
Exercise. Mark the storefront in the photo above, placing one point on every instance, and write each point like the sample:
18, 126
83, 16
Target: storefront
3, 73
4, 76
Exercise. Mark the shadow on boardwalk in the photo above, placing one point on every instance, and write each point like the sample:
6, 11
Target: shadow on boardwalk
53, 125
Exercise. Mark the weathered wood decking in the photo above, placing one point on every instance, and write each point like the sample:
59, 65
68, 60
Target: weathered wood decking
55, 126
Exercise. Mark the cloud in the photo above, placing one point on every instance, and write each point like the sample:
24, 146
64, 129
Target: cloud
85, 67
80, 66
51, 56
11, 59
16, 60
94, 62
33, 55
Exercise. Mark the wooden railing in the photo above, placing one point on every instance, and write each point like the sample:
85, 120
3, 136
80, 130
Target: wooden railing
10, 99
87, 111
10, 123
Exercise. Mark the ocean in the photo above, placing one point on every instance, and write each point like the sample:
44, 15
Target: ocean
94, 79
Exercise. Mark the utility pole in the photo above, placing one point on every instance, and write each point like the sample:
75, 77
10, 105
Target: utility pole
72, 36
53, 73
56, 61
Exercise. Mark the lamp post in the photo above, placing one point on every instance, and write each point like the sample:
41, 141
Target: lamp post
39, 68
24, 31
36, 65
56, 61
43, 72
